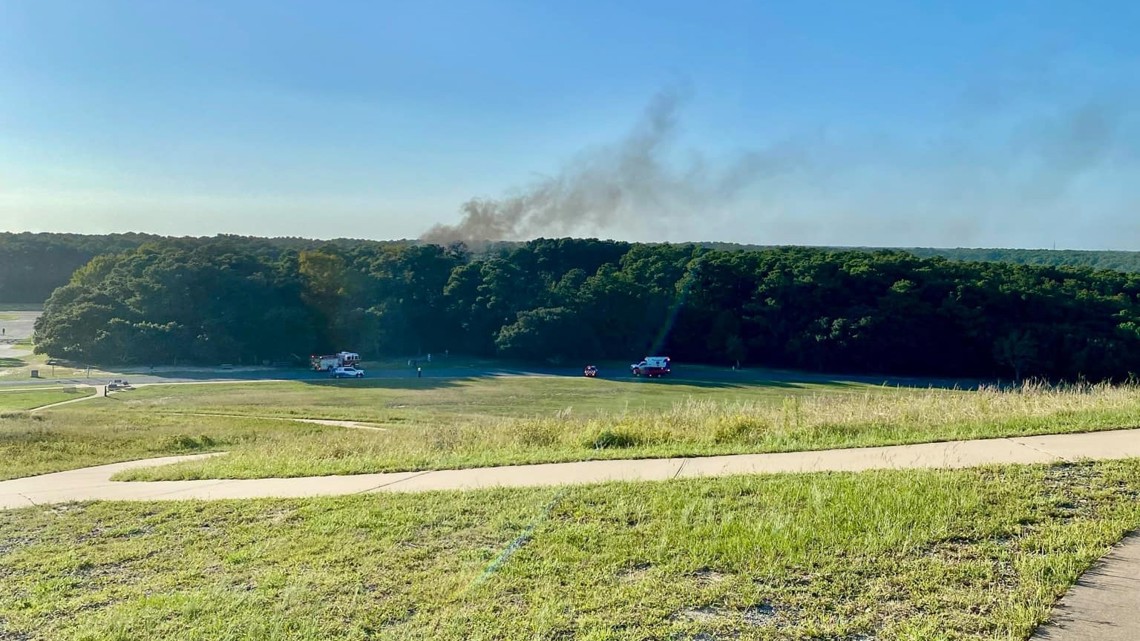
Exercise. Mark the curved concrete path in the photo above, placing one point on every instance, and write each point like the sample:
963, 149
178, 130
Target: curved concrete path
94, 483
329, 422
99, 391
1104, 605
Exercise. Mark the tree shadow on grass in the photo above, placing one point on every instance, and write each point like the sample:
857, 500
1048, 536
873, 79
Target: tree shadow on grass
12, 362
787, 380
707, 378
401, 383
708, 383
444, 374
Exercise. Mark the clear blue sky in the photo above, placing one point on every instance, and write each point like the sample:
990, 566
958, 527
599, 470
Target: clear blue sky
965, 123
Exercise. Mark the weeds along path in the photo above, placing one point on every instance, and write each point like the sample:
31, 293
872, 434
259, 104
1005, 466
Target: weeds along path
94, 483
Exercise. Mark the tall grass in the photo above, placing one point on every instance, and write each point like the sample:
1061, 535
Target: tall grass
690, 427
885, 414
819, 419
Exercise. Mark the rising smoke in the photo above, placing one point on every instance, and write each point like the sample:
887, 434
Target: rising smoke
619, 185
1031, 169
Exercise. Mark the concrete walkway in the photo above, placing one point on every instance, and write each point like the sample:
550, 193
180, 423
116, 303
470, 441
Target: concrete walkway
94, 483
1104, 604
328, 422
99, 392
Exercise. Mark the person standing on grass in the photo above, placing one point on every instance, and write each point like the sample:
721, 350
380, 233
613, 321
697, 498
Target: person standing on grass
419, 372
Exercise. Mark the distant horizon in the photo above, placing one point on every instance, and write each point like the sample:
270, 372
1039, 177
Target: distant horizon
599, 238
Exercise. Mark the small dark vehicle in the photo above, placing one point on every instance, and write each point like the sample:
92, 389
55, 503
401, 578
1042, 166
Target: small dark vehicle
590, 371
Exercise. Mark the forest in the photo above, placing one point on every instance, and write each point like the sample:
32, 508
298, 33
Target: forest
242, 300
32, 266
1124, 261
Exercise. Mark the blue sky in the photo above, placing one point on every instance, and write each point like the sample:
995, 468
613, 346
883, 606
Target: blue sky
880, 123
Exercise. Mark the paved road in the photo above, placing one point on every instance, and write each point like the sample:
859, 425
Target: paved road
95, 484
13, 330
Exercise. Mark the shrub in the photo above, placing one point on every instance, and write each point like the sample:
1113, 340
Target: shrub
187, 442
537, 433
607, 439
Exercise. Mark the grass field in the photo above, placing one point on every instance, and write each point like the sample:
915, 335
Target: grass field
892, 555
916, 555
529, 420
19, 367
477, 397
20, 399
55, 440
452, 423
11, 362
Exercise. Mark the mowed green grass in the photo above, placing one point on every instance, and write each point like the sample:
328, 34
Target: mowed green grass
14, 400
471, 422
433, 399
15, 368
11, 362
891, 555
54, 440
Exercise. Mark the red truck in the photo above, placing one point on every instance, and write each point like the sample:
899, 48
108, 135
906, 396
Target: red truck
332, 361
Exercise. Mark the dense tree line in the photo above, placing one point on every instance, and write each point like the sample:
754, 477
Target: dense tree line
34, 265
239, 300
1123, 261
